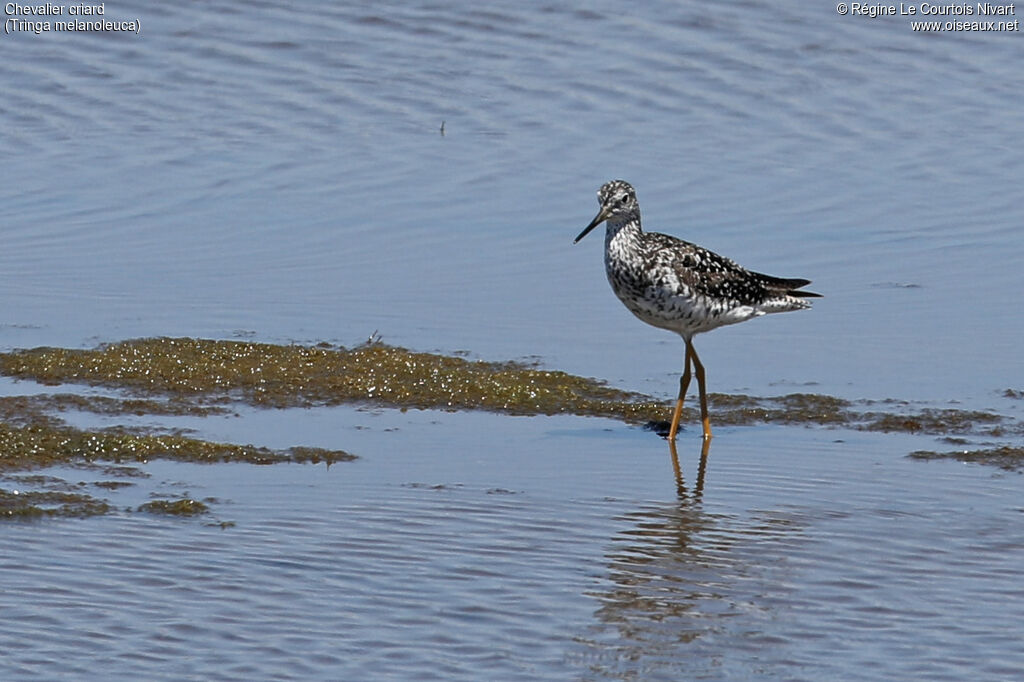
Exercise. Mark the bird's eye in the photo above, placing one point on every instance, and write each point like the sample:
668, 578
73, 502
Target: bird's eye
623, 200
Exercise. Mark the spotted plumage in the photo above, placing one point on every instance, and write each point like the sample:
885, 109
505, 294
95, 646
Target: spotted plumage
682, 287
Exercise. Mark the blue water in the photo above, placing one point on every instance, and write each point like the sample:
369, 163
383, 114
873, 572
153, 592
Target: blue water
471, 545
279, 174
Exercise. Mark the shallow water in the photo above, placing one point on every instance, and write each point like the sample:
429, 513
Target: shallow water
252, 171
526, 548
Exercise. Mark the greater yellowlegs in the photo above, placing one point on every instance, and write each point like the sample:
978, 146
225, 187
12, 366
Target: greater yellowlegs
682, 287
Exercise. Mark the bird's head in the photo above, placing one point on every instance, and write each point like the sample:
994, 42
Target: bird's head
617, 200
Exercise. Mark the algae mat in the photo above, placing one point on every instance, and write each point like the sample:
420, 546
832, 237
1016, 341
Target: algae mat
198, 374
185, 376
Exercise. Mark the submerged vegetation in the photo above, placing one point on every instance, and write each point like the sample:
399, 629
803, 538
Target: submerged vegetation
300, 376
1005, 457
15, 504
197, 377
183, 507
48, 444
34, 436
41, 442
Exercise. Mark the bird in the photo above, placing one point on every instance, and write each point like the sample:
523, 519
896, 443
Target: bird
682, 287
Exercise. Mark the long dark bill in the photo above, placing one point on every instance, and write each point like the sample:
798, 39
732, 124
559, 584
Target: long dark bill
598, 219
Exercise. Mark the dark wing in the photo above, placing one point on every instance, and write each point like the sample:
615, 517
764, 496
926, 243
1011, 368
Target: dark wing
718, 277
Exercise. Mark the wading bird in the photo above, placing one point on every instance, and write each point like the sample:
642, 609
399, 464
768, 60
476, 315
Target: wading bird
682, 287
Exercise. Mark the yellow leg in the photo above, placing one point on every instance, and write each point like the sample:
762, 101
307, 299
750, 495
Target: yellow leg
684, 383
702, 388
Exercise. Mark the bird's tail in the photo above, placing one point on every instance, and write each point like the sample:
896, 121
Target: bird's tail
789, 287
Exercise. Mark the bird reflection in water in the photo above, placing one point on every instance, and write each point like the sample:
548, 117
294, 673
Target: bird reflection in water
698, 489
661, 591
677, 584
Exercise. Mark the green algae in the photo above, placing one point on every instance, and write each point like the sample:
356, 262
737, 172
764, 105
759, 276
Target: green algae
794, 408
300, 376
936, 421
36, 409
825, 410
34, 442
65, 402
113, 485
183, 507
1005, 457
185, 376
197, 376
16, 504
43, 445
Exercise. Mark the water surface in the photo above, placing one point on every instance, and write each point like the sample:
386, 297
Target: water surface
254, 171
